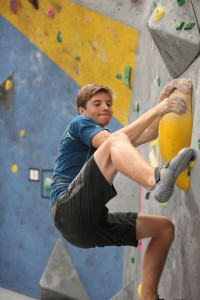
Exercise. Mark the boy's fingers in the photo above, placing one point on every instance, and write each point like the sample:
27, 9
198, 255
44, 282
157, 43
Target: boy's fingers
179, 105
184, 85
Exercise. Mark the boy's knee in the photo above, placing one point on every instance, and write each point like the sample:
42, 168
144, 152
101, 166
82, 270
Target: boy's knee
169, 229
118, 137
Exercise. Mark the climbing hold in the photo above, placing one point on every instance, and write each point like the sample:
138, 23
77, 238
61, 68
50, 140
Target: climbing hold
172, 139
13, 6
127, 75
158, 81
153, 154
77, 58
22, 133
189, 26
8, 85
164, 203
68, 90
136, 107
159, 12
118, 76
50, 13
139, 290
199, 144
154, 5
132, 259
191, 164
133, 1
59, 37
34, 3
14, 168
181, 2
180, 25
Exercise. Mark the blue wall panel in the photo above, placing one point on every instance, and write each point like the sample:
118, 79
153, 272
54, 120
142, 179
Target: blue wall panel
42, 107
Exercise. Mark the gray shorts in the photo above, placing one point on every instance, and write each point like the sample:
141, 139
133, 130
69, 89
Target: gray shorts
82, 217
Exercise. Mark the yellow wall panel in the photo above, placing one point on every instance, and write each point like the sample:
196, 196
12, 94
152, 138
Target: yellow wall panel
94, 48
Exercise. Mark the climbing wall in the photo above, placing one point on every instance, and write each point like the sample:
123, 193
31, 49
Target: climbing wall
172, 26
50, 49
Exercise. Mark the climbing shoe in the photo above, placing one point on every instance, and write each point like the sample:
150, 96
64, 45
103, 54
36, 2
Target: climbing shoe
166, 175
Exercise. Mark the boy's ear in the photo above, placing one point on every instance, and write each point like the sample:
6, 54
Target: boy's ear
81, 110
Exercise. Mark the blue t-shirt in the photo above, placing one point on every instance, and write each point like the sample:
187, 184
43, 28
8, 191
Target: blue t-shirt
75, 149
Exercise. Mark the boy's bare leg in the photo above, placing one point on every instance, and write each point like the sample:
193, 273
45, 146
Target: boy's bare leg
118, 154
161, 231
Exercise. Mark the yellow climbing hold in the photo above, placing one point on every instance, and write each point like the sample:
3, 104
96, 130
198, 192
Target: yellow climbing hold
175, 133
22, 133
153, 154
164, 203
191, 164
14, 168
139, 290
8, 85
159, 12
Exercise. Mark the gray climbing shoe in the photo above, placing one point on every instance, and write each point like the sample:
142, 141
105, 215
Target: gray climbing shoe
166, 175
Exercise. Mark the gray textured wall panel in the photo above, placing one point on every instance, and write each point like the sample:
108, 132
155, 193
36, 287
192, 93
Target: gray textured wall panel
178, 48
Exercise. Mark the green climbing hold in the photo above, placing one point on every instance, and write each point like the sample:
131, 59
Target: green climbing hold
132, 259
181, 2
77, 58
154, 5
189, 26
136, 107
118, 76
180, 25
127, 75
59, 37
158, 81
68, 90
199, 143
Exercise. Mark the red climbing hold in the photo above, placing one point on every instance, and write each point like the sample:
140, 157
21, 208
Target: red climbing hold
13, 6
50, 13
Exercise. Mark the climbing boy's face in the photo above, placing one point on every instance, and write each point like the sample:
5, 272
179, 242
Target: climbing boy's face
98, 108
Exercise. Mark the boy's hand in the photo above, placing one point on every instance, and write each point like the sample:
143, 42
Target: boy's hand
184, 85
172, 104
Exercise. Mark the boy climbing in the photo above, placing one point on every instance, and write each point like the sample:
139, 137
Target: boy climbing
89, 158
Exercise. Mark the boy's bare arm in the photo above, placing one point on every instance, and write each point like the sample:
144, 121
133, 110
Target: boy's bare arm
184, 85
145, 128
138, 132
100, 138
135, 131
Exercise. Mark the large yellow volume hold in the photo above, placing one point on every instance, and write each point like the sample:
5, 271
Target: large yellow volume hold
175, 133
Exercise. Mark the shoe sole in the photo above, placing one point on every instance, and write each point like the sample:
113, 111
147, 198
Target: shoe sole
165, 187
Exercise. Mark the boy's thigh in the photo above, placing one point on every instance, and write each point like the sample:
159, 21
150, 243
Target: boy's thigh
150, 226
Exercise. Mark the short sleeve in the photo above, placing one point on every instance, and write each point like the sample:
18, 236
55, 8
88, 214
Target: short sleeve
84, 128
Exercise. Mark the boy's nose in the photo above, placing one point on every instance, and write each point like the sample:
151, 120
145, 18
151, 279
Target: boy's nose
105, 106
